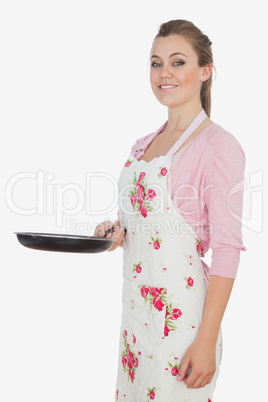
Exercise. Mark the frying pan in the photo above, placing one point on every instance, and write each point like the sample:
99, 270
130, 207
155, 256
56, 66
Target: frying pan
65, 243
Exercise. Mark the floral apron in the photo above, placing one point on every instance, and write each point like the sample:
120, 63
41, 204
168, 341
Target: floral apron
164, 286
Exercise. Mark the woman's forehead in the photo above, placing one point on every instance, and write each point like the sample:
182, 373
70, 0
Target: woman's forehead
168, 45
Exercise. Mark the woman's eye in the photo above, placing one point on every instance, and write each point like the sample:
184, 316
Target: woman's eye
176, 63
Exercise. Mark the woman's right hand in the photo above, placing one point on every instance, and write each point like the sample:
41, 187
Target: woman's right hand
118, 233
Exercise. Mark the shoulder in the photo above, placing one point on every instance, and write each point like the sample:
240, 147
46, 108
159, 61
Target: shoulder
222, 144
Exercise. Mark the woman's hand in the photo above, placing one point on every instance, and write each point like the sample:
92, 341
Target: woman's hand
117, 234
201, 356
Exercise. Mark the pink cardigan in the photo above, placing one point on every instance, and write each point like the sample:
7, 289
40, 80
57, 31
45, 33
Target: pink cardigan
206, 184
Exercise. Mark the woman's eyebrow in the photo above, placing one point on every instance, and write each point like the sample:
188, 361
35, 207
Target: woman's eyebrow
173, 54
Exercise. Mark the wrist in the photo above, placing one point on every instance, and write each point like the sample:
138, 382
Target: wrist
209, 336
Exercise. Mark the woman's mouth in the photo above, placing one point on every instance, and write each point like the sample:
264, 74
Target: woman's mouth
167, 87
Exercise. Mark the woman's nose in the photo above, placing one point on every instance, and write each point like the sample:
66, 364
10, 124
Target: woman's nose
165, 72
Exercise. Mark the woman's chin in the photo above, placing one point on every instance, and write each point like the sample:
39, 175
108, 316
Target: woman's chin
169, 102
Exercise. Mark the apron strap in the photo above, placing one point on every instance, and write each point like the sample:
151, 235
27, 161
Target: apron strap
190, 129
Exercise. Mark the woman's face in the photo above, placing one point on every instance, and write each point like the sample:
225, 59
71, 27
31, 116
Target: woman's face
175, 75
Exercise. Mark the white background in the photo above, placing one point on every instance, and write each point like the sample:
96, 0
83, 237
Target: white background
75, 96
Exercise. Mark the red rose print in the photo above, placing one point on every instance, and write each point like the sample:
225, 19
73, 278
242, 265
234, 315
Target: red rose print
140, 196
130, 359
174, 371
141, 176
140, 193
199, 248
144, 291
117, 394
125, 333
156, 242
163, 171
137, 268
156, 245
151, 194
158, 304
156, 292
190, 281
131, 375
151, 393
127, 163
133, 199
124, 361
143, 210
166, 330
176, 313
166, 312
157, 299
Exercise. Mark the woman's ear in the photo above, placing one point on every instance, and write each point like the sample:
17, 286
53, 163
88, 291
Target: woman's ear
206, 72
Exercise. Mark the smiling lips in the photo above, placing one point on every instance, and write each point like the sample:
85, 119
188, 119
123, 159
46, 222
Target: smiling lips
167, 87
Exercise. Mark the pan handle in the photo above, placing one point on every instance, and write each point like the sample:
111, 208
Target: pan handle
111, 231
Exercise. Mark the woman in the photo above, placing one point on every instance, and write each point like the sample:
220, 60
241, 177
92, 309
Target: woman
178, 196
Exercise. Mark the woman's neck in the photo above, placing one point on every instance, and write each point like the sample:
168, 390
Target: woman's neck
179, 118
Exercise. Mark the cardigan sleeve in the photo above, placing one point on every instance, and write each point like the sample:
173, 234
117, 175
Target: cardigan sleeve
223, 196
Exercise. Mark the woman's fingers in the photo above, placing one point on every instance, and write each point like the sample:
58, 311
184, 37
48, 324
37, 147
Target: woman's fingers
118, 235
200, 382
195, 379
184, 367
198, 379
201, 357
114, 233
102, 227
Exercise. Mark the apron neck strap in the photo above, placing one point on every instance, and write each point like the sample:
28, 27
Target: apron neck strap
190, 129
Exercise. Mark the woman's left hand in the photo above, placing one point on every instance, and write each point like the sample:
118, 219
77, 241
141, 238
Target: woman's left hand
201, 356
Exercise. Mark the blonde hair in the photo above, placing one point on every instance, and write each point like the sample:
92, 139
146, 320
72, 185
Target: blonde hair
202, 47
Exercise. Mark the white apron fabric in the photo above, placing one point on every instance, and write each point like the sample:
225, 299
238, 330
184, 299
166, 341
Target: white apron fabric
164, 286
